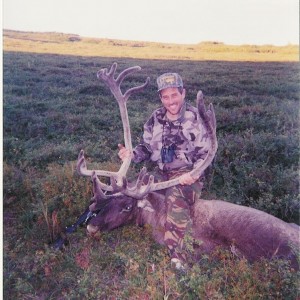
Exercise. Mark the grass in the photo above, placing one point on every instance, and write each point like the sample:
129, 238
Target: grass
53, 106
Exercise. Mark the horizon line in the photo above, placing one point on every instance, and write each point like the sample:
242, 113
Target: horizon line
148, 41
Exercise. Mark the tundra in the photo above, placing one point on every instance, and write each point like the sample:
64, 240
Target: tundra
245, 231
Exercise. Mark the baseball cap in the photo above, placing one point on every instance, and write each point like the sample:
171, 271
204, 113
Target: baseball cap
168, 80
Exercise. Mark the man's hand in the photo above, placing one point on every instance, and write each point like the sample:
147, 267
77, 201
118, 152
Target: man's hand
123, 152
187, 179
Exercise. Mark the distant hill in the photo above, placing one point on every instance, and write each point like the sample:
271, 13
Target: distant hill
72, 44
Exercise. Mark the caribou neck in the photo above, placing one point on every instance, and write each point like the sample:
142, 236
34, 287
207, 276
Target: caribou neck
152, 212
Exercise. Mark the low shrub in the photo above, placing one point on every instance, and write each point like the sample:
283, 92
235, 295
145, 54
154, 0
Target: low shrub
54, 106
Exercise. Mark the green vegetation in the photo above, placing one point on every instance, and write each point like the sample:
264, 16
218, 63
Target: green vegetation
54, 106
70, 44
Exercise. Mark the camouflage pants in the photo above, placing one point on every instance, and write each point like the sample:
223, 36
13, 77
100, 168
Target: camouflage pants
179, 203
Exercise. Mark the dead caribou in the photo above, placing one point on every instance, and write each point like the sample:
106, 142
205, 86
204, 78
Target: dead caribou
246, 231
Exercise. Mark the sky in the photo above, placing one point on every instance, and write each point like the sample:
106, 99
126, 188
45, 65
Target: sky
234, 22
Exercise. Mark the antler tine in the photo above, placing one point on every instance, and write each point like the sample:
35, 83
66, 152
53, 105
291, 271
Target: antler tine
136, 89
97, 188
208, 116
142, 173
140, 190
104, 74
82, 170
116, 187
109, 76
125, 73
200, 104
141, 178
99, 199
212, 116
112, 70
81, 165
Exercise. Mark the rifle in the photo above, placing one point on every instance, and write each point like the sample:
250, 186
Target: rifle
82, 220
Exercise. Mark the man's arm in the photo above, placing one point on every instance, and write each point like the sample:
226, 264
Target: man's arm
139, 154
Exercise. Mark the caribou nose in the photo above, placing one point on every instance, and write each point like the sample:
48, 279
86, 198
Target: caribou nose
92, 229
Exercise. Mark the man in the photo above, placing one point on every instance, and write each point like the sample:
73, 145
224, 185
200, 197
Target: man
175, 139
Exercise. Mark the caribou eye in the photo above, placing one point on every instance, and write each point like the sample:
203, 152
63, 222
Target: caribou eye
127, 208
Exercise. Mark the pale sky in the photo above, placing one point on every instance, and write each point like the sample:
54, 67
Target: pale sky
171, 21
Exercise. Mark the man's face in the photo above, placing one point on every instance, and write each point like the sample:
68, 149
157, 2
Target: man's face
172, 100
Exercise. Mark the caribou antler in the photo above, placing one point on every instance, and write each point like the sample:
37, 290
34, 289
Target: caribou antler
108, 77
118, 180
141, 189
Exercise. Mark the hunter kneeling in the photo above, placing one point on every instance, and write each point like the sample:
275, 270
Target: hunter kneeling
176, 139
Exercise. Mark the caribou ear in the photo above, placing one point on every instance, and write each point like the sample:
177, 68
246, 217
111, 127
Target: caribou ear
146, 205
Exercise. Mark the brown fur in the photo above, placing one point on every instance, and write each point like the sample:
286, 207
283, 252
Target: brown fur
245, 231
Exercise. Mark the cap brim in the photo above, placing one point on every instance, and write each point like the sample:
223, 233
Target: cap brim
172, 86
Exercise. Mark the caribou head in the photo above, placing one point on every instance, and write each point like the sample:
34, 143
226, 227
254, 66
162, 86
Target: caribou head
250, 232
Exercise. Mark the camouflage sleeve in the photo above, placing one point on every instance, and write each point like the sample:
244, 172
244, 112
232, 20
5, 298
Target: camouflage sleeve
143, 150
141, 153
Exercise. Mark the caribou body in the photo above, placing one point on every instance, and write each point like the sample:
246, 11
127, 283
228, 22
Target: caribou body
246, 231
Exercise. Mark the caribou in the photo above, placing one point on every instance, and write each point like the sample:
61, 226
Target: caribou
245, 231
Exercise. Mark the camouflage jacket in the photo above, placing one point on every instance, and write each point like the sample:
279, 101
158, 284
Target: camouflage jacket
186, 133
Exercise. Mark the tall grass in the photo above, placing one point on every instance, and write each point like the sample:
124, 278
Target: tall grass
54, 106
